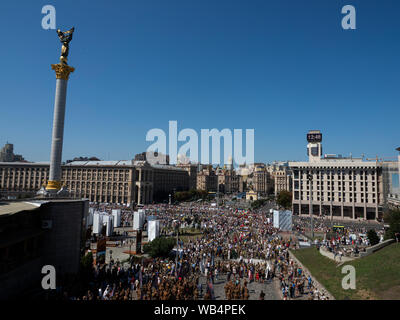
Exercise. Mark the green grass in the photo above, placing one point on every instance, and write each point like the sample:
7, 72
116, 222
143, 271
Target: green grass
188, 234
377, 275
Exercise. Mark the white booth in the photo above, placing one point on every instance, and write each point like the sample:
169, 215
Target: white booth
283, 220
116, 213
138, 219
153, 229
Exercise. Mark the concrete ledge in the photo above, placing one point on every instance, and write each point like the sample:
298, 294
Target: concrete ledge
318, 285
331, 256
376, 247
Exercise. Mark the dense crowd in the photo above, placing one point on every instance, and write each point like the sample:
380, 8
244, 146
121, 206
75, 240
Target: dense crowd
236, 245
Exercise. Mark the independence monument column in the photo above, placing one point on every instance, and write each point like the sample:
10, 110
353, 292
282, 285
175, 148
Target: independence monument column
62, 70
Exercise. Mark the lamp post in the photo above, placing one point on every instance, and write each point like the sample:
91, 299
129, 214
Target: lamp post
311, 205
177, 246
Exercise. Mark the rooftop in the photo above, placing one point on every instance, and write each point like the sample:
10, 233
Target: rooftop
9, 208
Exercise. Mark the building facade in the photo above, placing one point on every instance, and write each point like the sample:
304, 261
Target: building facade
207, 179
334, 186
262, 183
282, 181
7, 154
192, 169
124, 182
35, 234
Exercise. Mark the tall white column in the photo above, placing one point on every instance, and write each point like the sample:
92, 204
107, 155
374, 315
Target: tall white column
62, 75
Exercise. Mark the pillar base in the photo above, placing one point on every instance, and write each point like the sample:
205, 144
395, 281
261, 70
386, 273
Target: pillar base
53, 185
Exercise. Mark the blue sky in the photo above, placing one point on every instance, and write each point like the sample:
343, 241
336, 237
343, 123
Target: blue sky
280, 67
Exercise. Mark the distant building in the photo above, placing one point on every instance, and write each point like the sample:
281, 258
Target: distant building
192, 169
83, 159
124, 182
391, 183
282, 180
334, 186
7, 154
262, 182
207, 179
152, 157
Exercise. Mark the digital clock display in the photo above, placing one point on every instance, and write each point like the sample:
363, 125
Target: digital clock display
314, 137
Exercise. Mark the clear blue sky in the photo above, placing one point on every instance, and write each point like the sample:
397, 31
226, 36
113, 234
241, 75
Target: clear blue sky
280, 67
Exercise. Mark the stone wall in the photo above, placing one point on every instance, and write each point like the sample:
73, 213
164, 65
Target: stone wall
376, 247
318, 285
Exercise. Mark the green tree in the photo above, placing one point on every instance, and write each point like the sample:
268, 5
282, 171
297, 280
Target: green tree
393, 219
86, 267
87, 261
372, 237
159, 247
284, 199
258, 203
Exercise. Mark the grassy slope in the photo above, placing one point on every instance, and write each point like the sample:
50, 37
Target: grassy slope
377, 275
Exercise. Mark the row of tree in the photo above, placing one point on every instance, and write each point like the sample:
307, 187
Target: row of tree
191, 195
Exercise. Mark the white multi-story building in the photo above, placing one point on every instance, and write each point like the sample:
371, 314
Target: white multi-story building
335, 186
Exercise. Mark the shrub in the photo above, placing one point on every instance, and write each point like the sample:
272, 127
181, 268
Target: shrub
159, 247
372, 237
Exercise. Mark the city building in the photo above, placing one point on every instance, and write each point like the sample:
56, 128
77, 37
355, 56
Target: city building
123, 182
262, 183
282, 180
228, 180
391, 183
192, 170
7, 154
207, 179
335, 186
152, 157
35, 234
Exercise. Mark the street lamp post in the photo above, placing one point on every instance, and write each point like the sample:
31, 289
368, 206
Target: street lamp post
177, 246
311, 205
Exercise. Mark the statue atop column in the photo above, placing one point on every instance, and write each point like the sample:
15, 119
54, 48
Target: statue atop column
65, 39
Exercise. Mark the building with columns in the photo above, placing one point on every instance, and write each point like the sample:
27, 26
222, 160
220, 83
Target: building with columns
124, 182
336, 187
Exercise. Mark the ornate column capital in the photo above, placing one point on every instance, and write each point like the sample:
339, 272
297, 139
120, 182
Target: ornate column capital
62, 70
53, 185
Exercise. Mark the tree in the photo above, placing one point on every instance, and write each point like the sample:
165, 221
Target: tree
284, 199
258, 203
86, 267
87, 261
372, 237
159, 247
393, 219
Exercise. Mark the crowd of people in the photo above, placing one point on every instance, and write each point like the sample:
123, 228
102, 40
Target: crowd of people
234, 248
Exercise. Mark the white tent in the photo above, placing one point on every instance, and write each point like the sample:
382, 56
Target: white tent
138, 219
97, 222
108, 221
153, 229
116, 213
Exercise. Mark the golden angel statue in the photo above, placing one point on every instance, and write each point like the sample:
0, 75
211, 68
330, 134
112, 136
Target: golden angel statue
65, 38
